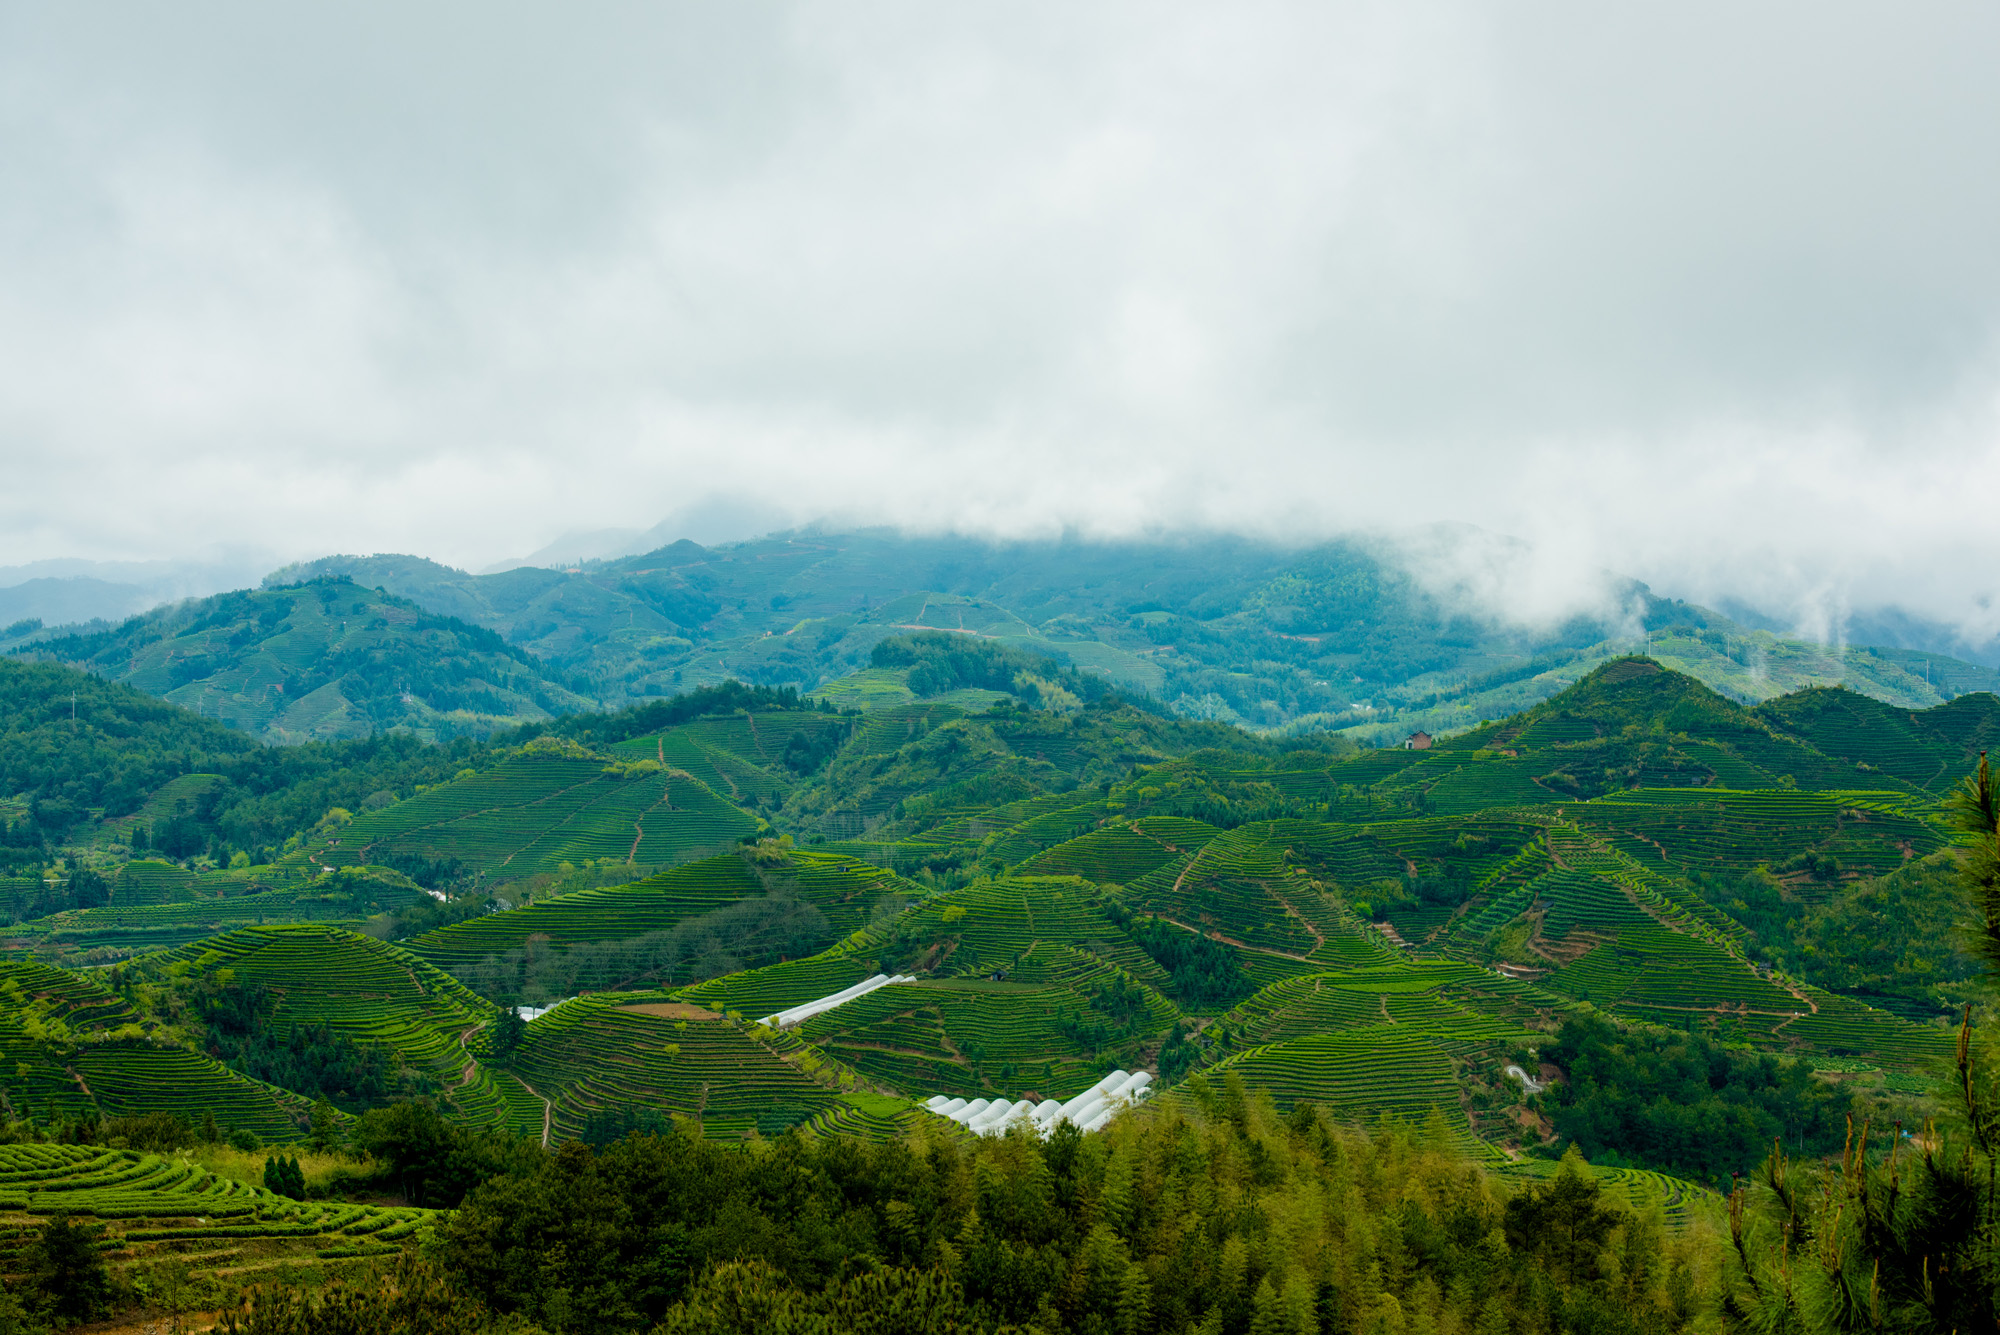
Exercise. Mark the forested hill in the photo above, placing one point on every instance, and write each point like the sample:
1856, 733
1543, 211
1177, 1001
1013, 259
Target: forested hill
99, 770
84, 759
1224, 629
322, 660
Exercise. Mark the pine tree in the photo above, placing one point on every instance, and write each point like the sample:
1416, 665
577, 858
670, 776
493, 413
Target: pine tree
1908, 1239
1492, 1319
1115, 1201
1135, 1302
325, 1126
65, 1265
1300, 1309
1267, 1311
508, 1030
1327, 1313
1975, 809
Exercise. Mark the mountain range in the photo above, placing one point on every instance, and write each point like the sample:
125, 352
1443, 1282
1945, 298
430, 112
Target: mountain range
1335, 637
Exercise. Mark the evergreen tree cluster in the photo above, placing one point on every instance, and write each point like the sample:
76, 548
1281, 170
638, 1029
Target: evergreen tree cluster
309, 1059
1685, 1104
728, 697
1205, 973
939, 661
1220, 1216
284, 1176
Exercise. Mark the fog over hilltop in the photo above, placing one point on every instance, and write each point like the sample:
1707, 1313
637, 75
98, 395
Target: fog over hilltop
1704, 296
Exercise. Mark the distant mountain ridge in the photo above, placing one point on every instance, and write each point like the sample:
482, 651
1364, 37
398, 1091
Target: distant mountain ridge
1284, 640
66, 591
1276, 638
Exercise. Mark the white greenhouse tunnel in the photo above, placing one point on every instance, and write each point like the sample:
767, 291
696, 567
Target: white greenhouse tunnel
537, 1012
1088, 1111
785, 1019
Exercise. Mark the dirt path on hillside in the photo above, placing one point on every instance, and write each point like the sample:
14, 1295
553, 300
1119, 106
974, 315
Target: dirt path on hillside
548, 1110
1291, 910
1811, 1006
1261, 950
471, 1071
639, 825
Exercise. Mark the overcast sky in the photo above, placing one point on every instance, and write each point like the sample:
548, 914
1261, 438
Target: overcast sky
1706, 293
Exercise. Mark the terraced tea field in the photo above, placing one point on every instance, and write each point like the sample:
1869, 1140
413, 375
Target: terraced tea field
70, 1047
530, 813
1246, 888
609, 1052
1639, 1189
1357, 1075
843, 889
778, 986
869, 1117
363, 989
1928, 750
1462, 1008
116, 927
1713, 828
1842, 1026
988, 926
741, 756
971, 1036
154, 1206
1120, 853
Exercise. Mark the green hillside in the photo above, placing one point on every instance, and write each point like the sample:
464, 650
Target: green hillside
1058, 891
160, 1208
361, 1020
711, 917
540, 808
645, 1054
133, 923
321, 660
72, 1048
1593, 849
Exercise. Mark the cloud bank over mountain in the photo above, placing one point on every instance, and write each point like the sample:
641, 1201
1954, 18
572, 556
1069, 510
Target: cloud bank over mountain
1703, 295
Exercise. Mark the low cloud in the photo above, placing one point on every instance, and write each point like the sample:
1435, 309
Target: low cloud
1705, 296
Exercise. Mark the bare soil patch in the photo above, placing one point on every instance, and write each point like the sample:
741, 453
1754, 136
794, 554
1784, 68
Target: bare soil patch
672, 1010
